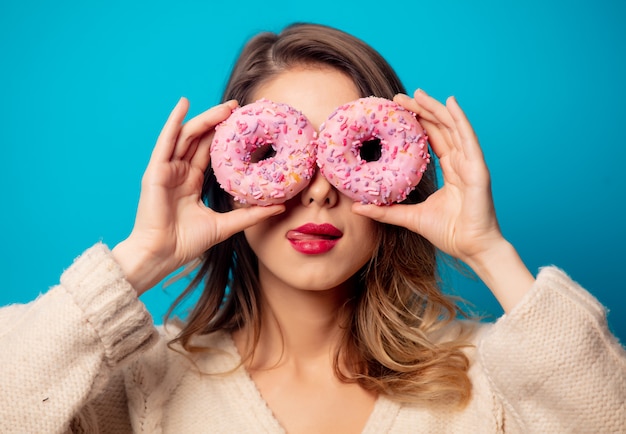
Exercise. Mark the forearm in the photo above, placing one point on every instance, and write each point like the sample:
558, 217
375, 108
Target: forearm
555, 347
503, 272
59, 351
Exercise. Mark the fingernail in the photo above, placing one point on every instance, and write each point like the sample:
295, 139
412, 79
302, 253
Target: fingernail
401, 96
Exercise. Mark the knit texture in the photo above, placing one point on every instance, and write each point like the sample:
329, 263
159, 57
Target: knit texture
60, 351
85, 357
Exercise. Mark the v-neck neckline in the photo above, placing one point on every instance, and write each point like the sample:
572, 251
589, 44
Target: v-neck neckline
380, 419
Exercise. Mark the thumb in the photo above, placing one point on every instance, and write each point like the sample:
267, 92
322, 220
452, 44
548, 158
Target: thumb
396, 214
239, 219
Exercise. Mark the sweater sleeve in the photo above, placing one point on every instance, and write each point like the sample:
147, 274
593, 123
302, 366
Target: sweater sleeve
61, 350
553, 362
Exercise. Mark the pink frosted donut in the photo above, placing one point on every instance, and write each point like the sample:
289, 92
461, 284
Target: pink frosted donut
373, 151
264, 153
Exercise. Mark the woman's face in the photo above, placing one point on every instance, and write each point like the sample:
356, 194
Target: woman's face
318, 243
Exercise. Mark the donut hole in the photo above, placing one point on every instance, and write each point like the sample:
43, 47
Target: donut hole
371, 150
262, 153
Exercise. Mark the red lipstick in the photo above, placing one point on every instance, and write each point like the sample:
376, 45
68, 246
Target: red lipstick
314, 239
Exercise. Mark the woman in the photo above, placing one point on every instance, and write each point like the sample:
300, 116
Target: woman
358, 338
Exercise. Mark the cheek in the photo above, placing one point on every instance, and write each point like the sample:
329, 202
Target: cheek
254, 236
368, 239
263, 236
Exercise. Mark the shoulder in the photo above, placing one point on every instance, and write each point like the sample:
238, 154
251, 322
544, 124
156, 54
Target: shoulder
167, 360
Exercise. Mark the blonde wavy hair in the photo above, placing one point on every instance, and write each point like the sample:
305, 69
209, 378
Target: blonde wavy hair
397, 307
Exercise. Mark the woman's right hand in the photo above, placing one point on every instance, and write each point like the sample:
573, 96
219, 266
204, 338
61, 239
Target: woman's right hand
173, 226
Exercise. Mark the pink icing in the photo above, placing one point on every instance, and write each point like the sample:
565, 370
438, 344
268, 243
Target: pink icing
274, 179
403, 151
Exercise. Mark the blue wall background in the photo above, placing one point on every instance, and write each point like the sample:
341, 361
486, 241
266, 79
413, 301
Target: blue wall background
86, 86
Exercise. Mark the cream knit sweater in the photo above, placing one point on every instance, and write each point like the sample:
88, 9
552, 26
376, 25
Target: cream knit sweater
86, 357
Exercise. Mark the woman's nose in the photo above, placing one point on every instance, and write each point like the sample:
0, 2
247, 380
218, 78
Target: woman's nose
319, 192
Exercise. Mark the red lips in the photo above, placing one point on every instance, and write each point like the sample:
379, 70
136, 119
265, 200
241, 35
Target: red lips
314, 239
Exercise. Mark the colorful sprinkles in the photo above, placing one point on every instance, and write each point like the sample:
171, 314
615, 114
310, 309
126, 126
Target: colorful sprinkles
270, 180
396, 169
403, 157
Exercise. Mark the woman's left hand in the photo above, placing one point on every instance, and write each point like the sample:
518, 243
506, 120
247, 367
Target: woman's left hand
459, 218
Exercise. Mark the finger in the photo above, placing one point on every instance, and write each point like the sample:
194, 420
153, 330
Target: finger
167, 138
393, 214
202, 153
442, 114
425, 107
200, 125
410, 104
432, 109
466, 132
241, 218
438, 111
438, 139
427, 117
191, 150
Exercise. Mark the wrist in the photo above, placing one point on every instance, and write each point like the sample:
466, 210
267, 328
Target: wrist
140, 267
502, 270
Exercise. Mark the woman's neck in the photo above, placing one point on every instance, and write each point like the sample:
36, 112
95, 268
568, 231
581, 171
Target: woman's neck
298, 327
